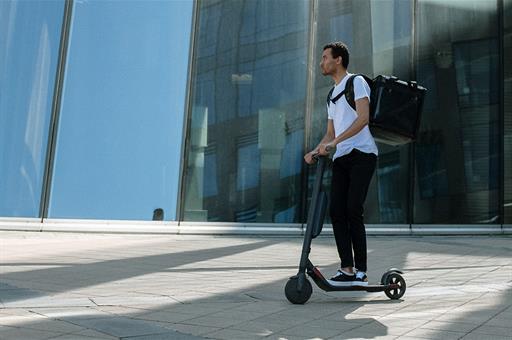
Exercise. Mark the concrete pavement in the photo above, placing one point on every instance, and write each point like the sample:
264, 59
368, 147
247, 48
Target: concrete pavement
114, 286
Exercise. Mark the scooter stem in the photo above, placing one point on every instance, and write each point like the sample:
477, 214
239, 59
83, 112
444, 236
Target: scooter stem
306, 246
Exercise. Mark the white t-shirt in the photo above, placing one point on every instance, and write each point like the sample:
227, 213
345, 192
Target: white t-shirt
343, 116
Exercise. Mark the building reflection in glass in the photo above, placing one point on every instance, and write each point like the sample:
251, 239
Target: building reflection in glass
247, 122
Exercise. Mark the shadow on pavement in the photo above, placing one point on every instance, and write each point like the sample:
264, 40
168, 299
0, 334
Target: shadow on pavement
261, 310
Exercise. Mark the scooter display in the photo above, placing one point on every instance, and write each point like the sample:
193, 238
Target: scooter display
298, 289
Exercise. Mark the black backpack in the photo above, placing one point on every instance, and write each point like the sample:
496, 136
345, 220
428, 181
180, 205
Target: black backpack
395, 107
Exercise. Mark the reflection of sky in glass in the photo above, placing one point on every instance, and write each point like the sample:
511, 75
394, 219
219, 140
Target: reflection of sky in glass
29, 44
121, 121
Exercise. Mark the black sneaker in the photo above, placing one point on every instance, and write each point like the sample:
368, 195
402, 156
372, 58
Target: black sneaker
361, 279
342, 279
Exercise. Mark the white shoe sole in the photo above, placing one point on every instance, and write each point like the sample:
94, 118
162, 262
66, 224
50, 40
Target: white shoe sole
347, 283
360, 283
341, 283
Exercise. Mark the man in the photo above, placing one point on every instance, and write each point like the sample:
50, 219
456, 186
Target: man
354, 162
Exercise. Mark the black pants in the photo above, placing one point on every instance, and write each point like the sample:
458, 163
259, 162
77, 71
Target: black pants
351, 176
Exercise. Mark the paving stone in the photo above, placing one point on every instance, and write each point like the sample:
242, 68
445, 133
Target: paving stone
288, 337
434, 334
194, 329
91, 333
493, 330
69, 312
448, 326
236, 334
49, 302
165, 336
311, 332
500, 322
261, 327
478, 336
364, 332
17, 333
378, 337
212, 321
123, 327
52, 326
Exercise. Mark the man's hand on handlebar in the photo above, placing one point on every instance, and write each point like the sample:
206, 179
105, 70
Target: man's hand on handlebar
310, 156
325, 149
321, 150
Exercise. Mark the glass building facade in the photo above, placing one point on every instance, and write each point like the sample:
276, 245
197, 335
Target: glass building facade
200, 111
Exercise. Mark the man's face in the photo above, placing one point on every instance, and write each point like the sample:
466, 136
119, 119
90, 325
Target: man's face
328, 64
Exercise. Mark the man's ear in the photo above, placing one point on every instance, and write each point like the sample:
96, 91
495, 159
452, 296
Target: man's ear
339, 60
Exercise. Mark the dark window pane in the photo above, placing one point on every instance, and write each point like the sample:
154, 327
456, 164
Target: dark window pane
378, 34
508, 110
457, 154
247, 118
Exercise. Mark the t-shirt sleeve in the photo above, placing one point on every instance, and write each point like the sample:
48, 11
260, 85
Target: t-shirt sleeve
361, 88
329, 112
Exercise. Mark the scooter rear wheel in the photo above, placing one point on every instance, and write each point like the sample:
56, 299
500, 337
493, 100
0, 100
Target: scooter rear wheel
294, 295
396, 279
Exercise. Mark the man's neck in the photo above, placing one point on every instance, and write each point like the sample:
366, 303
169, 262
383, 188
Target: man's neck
339, 75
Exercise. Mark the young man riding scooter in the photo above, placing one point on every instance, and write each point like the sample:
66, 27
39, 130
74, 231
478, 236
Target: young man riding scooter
354, 163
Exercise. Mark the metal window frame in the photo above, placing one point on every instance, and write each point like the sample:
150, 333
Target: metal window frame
501, 110
55, 113
309, 104
185, 140
412, 148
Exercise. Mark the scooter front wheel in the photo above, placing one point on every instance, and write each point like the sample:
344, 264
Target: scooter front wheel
399, 286
296, 296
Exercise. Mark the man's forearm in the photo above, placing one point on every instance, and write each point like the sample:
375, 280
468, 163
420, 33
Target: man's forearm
352, 130
326, 139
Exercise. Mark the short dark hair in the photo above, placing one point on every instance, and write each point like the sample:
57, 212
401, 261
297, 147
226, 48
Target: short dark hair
339, 49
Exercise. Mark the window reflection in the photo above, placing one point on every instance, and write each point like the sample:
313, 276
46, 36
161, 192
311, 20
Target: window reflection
388, 173
120, 128
247, 118
457, 154
378, 34
29, 48
507, 154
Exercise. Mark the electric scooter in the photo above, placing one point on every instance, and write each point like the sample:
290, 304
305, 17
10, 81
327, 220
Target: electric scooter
298, 289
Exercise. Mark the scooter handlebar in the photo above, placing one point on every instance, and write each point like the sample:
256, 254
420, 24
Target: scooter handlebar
328, 148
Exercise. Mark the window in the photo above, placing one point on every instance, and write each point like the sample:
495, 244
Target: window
248, 106
29, 50
458, 152
121, 119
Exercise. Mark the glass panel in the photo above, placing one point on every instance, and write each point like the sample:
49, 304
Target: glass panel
29, 51
120, 129
379, 43
457, 159
247, 118
508, 109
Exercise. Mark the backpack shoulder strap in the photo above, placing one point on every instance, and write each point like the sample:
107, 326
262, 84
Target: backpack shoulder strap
335, 99
329, 96
349, 91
